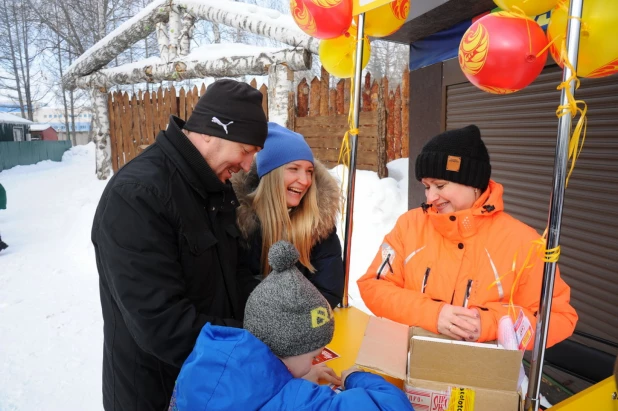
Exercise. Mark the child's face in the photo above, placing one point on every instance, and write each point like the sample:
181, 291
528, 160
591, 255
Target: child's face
300, 365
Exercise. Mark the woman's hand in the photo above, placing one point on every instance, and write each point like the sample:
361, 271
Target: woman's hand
346, 373
459, 323
322, 372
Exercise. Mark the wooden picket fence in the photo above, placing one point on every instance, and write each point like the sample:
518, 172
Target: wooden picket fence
320, 114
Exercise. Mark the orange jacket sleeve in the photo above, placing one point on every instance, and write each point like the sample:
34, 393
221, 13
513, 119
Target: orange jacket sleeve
387, 296
527, 297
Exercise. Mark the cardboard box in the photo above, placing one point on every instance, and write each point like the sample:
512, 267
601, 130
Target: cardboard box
431, 365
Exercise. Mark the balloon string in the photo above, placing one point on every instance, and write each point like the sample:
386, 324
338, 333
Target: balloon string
520, 13
573, 107
549, 45
537, 248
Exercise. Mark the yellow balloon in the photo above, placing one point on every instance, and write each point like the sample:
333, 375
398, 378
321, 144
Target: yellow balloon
385, 20
337, 55
529, 7
598, 44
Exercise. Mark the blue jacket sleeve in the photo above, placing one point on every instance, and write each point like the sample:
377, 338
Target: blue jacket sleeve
328, 278
365, 392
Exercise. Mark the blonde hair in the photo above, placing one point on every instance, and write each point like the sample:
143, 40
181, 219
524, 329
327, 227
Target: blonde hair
278, 223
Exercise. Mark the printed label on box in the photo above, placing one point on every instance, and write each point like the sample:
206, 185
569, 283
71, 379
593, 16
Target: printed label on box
462, 399
523, 331
427, 400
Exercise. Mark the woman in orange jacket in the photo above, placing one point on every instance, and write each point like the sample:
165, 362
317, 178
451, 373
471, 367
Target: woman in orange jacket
459, 263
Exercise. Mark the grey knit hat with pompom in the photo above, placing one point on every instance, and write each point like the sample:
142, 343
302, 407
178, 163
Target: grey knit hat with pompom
286, 312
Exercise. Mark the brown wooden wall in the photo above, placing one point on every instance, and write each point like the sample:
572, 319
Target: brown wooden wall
321, 115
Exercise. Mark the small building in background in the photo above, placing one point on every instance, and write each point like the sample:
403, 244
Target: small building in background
43, 131
55, 117
14, 128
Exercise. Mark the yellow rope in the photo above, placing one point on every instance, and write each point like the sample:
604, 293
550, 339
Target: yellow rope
538, 249
573, 107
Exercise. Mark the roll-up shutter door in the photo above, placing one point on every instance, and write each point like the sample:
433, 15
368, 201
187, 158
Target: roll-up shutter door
520, 132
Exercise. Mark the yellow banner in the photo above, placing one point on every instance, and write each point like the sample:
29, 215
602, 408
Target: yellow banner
362, 6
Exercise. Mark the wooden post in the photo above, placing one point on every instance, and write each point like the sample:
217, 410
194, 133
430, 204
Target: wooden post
381, 109
347, 86
127, 138
102, 143
375, 90
112, 139
118, 114
314, 98
173, 99
264, 91
324, 94
135, 127
149, 118
182, 105
302, 98
340, 97
397, 124
405, 114
366, 95
280, 84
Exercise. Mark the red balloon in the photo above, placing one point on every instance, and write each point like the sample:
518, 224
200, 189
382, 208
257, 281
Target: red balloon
322, 19
501, 52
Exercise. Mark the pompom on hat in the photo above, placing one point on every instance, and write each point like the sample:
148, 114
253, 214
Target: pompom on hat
282, 146
456, 155
285, 311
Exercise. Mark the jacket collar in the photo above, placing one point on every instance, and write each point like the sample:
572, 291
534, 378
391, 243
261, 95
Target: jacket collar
188, 160
466, 223
329, 201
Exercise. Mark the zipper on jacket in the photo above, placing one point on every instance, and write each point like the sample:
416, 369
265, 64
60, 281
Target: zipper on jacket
386, 261
467, 294
425, 277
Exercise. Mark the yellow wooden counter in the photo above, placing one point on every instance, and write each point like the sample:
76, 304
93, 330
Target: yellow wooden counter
599, 397
350, 324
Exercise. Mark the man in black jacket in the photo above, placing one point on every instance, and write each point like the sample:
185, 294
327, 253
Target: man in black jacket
165, 240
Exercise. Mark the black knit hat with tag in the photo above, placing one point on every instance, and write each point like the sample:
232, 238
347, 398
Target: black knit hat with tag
456, 155
231, 110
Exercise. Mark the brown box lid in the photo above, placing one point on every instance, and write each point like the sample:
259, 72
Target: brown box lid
459, 363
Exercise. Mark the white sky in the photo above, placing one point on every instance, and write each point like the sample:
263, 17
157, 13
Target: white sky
51, 330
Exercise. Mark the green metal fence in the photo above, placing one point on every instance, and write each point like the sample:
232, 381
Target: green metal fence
23, 153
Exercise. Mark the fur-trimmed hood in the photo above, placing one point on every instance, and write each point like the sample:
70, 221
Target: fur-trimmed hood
328, 195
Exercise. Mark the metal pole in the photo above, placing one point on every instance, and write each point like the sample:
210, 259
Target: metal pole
349, 209
555, 212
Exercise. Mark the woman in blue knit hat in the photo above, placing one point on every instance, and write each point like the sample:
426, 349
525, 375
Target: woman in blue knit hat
288, 195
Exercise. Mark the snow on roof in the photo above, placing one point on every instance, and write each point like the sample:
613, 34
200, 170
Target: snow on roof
202, 53
253, 12
40, 126
10, 118
257, 17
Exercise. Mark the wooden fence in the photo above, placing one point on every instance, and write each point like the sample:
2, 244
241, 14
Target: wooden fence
321, 115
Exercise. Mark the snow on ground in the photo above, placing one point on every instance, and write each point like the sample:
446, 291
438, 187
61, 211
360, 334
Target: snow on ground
50, 318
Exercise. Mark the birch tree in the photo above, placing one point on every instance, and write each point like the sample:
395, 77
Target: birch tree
21, 78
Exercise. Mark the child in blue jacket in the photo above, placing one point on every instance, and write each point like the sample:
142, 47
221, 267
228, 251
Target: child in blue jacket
287, 323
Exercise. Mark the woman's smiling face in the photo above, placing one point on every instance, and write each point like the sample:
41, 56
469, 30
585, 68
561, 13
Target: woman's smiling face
297, 178
448, 197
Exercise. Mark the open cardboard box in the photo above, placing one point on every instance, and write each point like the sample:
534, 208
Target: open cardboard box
428, 364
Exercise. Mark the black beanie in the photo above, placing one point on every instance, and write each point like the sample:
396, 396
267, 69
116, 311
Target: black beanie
456, 155
231, 110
